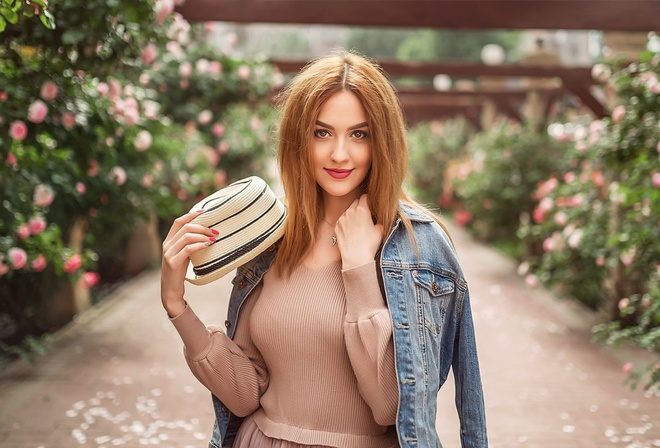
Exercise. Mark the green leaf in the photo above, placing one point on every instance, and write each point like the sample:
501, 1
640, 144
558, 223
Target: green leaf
47, 19
10, 15
3, 24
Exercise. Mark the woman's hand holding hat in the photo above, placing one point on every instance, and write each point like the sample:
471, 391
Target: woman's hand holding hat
183, 239
358, 237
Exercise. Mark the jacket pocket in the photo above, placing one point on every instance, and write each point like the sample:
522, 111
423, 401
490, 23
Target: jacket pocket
433, 295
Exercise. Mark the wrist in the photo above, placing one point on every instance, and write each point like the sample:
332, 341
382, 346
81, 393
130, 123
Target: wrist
174, 307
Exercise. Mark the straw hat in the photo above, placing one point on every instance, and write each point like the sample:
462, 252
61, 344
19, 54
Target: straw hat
250, 219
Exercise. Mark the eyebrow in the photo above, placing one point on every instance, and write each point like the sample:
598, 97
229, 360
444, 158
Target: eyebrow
357, 126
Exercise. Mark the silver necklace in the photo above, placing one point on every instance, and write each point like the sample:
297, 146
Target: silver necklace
334, 237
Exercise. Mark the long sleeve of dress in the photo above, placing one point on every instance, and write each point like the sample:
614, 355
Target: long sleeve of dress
368, 336
233, 370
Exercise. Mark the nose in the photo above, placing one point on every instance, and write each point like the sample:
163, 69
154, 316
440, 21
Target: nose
339, 151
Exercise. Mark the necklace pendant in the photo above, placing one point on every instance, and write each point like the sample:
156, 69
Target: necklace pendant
334, 240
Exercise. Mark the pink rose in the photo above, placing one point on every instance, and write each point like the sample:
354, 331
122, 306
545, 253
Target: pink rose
144, 79
561, 219
17, 257
223, 147
143, 140
89, 279
218, 130
37, 111
618, 113
205, 117
531, 280
185, 70
148, 180
215, 68
600, 72
103, 88
655, 179
243, 72
163, 9
600, 261
548, 244
18, 130
3, 96
118, 174
11, 159
174, 48
149, 54
623, 303
49, 91
68, 121
598, 178
114, 88
151, 109
43, 195
202, 66
23, 231
80, 188
628, 367
73, 263
37, 225
39, 263
93, 169
628, 256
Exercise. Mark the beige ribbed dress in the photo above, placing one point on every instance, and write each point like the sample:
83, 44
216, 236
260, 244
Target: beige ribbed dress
311, 362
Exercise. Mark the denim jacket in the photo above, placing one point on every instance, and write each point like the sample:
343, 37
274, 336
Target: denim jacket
432, 329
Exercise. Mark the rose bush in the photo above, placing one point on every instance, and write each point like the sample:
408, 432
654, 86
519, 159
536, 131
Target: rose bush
434, 148
599, 220
496, 183
91, 143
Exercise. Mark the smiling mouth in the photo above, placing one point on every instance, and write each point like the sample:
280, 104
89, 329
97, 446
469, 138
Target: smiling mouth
337, 173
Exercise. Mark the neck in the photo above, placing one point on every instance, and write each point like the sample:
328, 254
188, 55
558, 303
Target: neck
334, 207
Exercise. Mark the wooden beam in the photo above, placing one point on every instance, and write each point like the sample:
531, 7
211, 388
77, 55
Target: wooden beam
462, 69
614, 15
583, 93
452, 95
418, 113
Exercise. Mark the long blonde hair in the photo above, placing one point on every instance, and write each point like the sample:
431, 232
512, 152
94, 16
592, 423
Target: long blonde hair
300, 105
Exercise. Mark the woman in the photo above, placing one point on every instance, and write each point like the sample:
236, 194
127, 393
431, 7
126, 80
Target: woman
347, 331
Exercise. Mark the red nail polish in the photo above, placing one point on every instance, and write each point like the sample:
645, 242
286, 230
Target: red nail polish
200, 211
215, 232
211, 239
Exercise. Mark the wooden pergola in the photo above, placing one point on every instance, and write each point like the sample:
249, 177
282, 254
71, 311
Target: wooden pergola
615, 15
605, 15
420, 104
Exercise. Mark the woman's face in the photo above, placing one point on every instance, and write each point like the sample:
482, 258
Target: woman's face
341, 146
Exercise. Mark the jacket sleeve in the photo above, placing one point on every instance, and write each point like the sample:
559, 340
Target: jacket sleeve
368, 338
233, 370
469, 392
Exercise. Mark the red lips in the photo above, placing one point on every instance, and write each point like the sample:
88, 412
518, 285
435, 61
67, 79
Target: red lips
338, 173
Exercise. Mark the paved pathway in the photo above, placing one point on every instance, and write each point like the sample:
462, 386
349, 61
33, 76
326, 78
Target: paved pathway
116, 377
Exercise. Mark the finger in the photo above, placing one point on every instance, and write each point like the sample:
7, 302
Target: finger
182, 221
188, 228
180, 252
189, 235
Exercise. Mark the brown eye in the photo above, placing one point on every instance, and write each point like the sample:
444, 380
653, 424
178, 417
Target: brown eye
360, 135
321, 133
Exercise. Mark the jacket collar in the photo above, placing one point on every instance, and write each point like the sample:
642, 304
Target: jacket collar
413, 214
